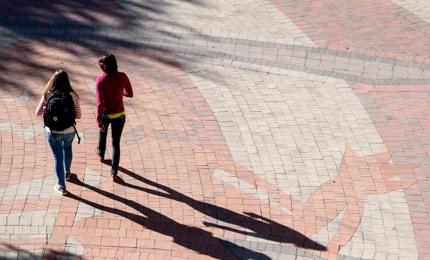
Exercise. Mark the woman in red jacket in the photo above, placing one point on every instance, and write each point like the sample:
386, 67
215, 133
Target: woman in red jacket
111, 86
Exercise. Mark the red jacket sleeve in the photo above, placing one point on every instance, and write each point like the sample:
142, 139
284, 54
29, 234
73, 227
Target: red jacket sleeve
99, 103
128, 90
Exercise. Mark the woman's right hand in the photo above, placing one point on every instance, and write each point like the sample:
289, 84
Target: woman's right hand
100, 123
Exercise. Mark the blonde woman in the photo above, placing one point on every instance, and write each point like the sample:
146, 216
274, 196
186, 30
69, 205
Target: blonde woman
59, 106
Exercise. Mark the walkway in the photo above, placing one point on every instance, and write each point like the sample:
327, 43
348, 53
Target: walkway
276, 129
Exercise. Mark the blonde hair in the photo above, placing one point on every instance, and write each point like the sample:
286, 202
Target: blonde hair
58, 81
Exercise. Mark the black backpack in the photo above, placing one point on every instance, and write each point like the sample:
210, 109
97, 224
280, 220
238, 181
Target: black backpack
60, 111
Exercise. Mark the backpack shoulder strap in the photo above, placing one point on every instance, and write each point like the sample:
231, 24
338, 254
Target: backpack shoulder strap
77, 134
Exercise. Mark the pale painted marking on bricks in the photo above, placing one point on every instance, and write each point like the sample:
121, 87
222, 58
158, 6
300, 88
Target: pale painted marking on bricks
248, 188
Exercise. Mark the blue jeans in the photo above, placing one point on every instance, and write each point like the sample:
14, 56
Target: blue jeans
61, 146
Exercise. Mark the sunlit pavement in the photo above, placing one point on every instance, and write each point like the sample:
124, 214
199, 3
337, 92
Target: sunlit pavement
277, 129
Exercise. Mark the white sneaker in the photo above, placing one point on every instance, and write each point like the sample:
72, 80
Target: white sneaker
60, 189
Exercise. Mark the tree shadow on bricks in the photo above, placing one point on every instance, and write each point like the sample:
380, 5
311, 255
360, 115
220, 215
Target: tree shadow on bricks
260, 226
193, 238
33, 31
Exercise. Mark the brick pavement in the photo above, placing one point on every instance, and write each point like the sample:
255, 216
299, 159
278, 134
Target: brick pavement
259, 130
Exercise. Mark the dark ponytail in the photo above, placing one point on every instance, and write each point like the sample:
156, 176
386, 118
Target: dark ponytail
108, 64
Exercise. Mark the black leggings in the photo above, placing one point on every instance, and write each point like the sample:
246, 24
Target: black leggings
117, 126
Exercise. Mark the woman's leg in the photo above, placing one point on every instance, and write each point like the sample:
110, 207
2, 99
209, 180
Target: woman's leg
57, 154
101, 148
117, 126
67, 150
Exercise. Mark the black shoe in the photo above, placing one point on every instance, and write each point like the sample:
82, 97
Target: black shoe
68, 174
117, 179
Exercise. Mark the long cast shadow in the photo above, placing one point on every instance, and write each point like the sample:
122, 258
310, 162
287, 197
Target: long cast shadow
193, 238
262, 227
10, 252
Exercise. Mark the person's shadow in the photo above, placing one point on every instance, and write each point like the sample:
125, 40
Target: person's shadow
12, 252
193, 238
262, 227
